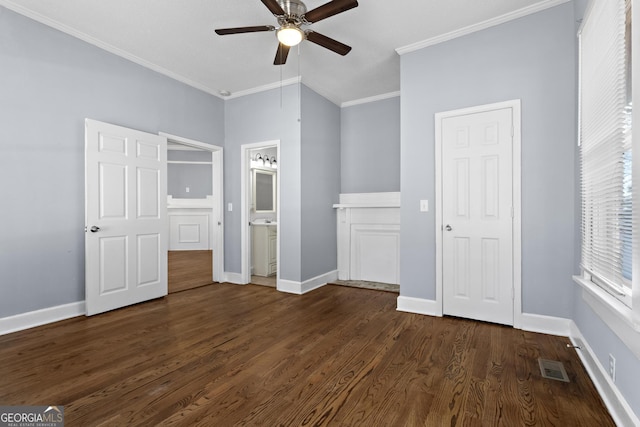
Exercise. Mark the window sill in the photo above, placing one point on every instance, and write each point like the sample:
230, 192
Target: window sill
621, 319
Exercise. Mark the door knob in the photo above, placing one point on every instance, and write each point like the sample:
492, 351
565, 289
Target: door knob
94, 229
448, 227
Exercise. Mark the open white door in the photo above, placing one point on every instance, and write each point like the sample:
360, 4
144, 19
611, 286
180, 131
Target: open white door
126, 236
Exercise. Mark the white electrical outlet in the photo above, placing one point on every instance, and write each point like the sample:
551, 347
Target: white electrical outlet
612, 367
188, 189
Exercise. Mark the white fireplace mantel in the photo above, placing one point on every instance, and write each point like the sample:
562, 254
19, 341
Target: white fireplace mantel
369, 237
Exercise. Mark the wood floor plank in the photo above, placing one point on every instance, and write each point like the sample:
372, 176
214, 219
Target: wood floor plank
249, 355
189, 269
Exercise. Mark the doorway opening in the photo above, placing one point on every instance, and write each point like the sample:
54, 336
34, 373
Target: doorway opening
260, 212
194, 204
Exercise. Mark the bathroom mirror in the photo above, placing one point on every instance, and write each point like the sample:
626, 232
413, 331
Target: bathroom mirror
264, 190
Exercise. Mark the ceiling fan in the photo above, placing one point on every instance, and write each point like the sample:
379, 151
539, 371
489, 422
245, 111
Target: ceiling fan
292, 16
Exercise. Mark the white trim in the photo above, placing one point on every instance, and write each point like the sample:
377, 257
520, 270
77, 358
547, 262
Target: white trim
369, 99
545, 324
245, 204
510, 16
216, 231
187, 162
419, 306
178, 147
369, 200
617, 316
299, 288
206, 203
105, 46
515, 105
615, 402
40, 317
263, 88
233, 278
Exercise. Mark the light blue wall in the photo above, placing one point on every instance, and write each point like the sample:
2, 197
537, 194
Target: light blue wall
195, 177
49, 83
309, 184
370, 147
320, 183
198, 177
265, 116
531, 59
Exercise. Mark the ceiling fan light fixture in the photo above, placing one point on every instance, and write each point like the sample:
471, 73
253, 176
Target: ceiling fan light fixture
290, 35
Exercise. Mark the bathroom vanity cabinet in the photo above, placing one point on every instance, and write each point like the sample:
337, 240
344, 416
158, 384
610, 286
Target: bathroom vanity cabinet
265, 259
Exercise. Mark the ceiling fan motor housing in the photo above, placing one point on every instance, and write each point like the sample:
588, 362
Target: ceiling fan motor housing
294, 10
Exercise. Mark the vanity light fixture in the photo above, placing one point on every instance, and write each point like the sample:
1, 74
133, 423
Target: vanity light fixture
271, 160
264, 161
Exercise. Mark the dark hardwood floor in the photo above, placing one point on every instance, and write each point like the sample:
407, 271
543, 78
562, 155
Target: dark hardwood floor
225, 355
189, 269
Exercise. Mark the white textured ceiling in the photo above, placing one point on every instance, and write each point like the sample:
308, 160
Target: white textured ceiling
176, 38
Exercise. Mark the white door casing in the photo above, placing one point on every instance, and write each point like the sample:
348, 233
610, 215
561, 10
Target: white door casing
126, 236
477, 235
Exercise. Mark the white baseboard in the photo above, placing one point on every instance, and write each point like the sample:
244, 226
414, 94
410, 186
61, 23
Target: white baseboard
35, 318
545, 324
300, 288
618, 407
419, 306
235, 278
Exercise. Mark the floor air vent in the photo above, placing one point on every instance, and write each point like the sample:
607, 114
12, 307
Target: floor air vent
553, 370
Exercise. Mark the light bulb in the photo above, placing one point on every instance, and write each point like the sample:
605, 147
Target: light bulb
289, 35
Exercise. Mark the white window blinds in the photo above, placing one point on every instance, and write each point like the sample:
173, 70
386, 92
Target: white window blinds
605, 139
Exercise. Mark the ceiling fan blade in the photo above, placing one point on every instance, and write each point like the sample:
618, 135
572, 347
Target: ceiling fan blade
274, 7
329, 9
281, 54
329, 43
239, 30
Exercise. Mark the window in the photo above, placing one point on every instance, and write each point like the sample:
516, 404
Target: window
606, 147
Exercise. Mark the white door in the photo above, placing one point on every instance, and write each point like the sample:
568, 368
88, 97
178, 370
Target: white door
477, 215
126, 236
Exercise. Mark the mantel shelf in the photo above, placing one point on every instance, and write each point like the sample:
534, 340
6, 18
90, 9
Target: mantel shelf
366, 205
368, 200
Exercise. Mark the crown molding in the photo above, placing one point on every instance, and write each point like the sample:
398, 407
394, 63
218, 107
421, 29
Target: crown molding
268, 86
370, 99
528, 10
104, 46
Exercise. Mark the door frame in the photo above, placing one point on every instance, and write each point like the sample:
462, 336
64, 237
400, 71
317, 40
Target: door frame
517, 202
245, 197
216, 231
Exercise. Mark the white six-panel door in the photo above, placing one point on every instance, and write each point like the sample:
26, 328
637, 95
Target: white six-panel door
477, 215
126, 234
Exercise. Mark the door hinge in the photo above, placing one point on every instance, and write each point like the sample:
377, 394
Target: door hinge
513, 294
513, 131
512, 212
